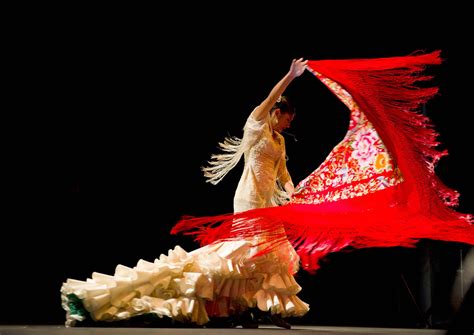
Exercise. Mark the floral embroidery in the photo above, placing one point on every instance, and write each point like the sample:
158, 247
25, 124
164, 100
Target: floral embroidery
364, 147
381, 162
360, 164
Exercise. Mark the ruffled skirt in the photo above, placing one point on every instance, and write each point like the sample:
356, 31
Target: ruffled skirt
217, 280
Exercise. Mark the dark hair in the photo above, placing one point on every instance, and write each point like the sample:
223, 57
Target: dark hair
284, 105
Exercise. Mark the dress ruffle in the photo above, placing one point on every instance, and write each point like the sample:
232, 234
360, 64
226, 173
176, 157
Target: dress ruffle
217, 280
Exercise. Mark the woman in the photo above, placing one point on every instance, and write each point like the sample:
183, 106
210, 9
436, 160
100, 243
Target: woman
227, 279
265, 181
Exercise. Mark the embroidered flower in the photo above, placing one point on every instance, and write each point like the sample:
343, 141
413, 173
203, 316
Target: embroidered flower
382, 162
364, 147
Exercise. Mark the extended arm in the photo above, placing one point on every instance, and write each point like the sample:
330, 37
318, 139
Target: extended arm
296, 69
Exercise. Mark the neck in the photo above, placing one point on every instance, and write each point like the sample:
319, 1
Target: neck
275, 126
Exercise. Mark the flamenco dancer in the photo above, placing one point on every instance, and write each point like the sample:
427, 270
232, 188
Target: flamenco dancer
377, 188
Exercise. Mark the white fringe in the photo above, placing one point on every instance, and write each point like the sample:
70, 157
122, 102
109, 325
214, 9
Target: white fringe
221, 164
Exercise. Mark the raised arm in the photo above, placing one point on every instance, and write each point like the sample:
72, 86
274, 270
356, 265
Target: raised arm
296, 69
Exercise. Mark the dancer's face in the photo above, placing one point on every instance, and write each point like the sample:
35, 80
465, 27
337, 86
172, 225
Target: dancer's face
283, 120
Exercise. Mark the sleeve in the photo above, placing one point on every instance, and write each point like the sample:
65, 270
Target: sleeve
283, 175
280, 197
253, 129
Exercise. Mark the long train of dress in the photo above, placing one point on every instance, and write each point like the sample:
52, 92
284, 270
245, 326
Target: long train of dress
217, 280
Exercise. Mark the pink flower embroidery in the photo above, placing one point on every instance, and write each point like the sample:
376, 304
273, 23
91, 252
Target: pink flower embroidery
364, 147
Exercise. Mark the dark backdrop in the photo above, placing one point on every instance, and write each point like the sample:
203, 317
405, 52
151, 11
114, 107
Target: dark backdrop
124, 109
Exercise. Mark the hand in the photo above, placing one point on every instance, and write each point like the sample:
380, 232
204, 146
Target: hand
290, 189
297, 67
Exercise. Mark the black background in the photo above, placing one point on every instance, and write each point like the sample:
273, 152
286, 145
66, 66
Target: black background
116, 110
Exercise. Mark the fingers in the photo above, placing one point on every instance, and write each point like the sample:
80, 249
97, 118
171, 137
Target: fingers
301, 61
298, 66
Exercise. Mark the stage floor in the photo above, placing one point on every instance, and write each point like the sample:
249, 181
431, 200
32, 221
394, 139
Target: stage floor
263, 330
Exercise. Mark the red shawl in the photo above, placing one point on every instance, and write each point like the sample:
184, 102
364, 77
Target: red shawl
377, 188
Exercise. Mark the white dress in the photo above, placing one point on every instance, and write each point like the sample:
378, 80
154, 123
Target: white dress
220, 279
265, 164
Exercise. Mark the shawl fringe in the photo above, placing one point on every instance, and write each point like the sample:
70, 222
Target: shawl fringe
387, 91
